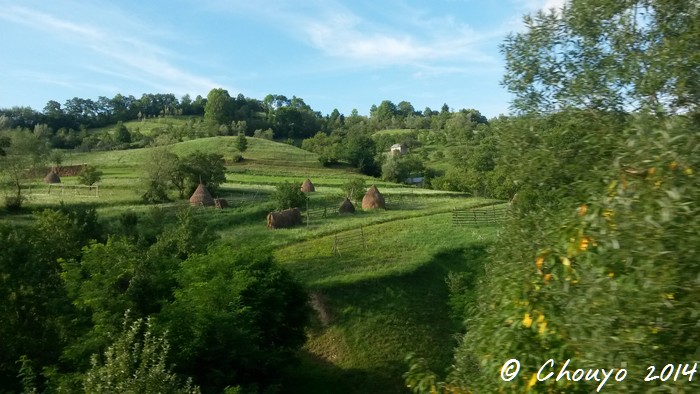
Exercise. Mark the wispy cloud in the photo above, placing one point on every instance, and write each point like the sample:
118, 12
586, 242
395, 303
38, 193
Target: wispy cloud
123, 55
340, 33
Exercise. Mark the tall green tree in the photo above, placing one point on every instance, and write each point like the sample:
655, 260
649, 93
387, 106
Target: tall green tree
161, 169
360, 152
596, 265
219, 107
24, 155
89, 175
241, 142
607, 55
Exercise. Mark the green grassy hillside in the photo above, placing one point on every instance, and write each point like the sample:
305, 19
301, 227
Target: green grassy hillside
375, 302
150, 125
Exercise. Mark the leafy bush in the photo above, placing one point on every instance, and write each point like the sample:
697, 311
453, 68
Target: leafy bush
237, 318
89, 175
355, 188
289, 195
397, 168
135, 363
241, 142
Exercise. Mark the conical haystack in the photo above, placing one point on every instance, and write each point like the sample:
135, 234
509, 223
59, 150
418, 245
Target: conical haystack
52, 177
307, 186
373, 199
201, 197
346, 207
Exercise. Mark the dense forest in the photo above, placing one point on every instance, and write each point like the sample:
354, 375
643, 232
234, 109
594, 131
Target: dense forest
597, 262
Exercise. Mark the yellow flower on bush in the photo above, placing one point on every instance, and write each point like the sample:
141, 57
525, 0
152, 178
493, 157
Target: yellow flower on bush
539, 262
673, 165
532, 381
688, 171
566, 261
582, 209
651, 171
583, 243
547, 278
527, 320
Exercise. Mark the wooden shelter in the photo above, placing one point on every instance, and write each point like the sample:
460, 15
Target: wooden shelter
220, 203
307, 186
283, 219
373, 199
202, 197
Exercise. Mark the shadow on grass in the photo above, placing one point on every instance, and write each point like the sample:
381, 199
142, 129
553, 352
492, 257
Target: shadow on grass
381, 321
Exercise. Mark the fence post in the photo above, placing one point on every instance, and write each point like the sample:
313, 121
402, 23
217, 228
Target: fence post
307, 213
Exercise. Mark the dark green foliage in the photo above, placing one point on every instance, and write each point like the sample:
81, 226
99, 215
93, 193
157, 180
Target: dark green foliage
289, 195
241, 142
165, 170
360, 152
161, 169
24, 154
355, 188
397, 168
90, 175
599, 263
219, 108
237, 318
122, 134
36, 314
328, 148
4, 143
207, 168
135, 363
157, 192
119, 275
187, 236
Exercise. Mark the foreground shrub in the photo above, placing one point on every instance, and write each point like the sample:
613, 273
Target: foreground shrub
135, 364
237, 318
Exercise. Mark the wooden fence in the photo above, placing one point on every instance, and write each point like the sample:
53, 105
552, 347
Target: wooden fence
349, 241
479, 216
322, 209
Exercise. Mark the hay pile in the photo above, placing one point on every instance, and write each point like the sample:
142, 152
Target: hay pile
346, 207
307, 186
373, 199
202, 197
220, 203
287, 218
52, 177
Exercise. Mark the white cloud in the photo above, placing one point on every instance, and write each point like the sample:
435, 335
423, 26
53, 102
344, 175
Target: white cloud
342, 34
338, 32
120, 54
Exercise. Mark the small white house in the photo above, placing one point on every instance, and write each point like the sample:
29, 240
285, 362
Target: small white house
400, 149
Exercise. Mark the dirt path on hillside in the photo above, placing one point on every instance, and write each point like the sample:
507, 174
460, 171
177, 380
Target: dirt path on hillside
319, 304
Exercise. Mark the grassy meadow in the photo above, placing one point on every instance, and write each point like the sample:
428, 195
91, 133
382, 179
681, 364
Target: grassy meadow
376, 278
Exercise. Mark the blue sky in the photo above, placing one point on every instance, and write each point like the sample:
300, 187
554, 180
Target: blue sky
333, 54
